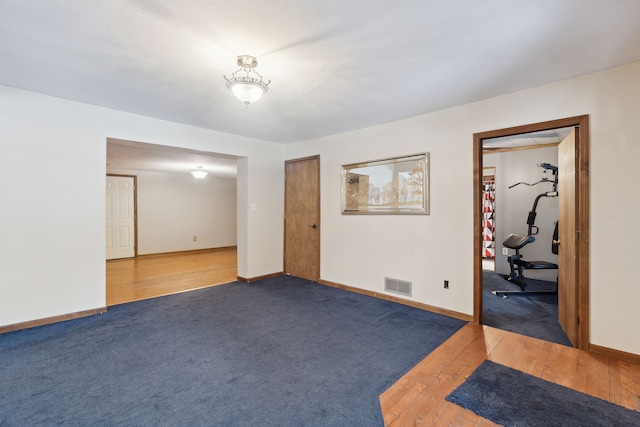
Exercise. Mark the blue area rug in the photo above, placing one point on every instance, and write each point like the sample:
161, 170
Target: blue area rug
512, 398
278, 352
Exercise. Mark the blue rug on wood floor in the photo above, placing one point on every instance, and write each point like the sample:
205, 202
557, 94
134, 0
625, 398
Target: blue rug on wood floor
278, 352
512, 398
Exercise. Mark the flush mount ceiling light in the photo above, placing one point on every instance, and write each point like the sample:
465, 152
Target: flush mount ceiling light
199, 174
249, 87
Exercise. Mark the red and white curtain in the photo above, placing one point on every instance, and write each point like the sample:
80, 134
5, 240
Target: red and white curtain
488, 218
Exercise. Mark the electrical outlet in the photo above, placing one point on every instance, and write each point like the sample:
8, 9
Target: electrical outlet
195, 238
505, 251
446, 284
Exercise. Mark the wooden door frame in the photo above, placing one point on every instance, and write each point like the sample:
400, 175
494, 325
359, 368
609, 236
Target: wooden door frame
582, 214
284, 252
135, 210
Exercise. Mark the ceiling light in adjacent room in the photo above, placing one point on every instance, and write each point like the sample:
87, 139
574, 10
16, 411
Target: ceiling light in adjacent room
249, 87
199, 174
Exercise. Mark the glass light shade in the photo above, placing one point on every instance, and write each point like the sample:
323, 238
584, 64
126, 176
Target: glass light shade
199, 174
247, 92
250, 87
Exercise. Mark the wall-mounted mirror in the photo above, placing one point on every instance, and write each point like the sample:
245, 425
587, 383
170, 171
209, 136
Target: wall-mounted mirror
399, 185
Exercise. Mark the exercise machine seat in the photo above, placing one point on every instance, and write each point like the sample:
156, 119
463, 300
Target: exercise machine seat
516, 241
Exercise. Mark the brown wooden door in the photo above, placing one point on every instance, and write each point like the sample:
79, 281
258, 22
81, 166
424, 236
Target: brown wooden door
567, 255
302, 218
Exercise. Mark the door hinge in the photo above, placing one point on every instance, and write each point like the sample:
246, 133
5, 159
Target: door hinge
577, 235
578, 320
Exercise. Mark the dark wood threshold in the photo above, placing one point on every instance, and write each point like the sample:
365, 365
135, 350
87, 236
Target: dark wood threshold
255, 279
50, 320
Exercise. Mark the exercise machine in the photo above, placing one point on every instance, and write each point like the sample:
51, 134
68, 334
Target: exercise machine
516, 241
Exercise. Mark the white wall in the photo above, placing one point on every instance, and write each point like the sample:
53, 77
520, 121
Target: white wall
52, 250
513, 206
172, 208
360, 250
52, 241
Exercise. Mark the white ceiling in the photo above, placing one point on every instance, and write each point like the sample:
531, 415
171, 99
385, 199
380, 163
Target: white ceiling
335, 66
533, 139
138, 156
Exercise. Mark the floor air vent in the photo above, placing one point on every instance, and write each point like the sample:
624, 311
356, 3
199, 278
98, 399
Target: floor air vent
396, 286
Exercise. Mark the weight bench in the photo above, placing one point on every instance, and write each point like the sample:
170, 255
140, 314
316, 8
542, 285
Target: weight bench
518, 265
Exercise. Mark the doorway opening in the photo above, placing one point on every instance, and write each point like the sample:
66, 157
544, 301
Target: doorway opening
183, 225
574, 299
517, 299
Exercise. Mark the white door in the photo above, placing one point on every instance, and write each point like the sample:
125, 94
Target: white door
120, 217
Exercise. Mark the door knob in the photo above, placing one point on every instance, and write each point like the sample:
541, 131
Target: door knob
313, 226
556, 242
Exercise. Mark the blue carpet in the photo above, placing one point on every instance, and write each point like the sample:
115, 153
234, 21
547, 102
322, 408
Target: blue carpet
278, 352
531, 315
512, 398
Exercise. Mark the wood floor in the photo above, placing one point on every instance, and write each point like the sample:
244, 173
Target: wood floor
151, 276
417, 399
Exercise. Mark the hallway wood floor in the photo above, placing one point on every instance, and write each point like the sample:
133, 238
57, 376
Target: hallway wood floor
150, 276
416, 399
